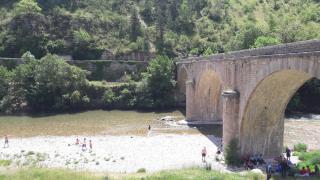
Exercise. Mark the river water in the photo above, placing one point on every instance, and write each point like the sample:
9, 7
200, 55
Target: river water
304, 129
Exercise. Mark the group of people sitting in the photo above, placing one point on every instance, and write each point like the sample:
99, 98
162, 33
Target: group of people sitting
307, 171
285, 167
251, 161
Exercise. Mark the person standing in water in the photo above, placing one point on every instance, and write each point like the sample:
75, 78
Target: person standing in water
6, 142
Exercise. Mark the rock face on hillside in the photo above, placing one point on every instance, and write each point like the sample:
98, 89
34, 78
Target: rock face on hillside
112, 71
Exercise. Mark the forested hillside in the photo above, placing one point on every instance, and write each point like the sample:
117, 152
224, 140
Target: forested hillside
87, 28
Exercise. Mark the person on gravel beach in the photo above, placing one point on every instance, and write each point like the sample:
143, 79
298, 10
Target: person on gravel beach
84, 145
90, 145
204, 154
6, 142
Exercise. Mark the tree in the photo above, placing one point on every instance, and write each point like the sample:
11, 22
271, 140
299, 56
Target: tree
20, 85
232, 154
262, 41
173, 14
185, 21
5, 78
135, 26
184, 45
158, 83
160, 24
84, 46
27, 7
245, 38
26, 32
208, 52
147, 14
48, 80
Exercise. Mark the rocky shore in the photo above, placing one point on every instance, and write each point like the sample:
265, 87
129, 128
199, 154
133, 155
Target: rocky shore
120, 154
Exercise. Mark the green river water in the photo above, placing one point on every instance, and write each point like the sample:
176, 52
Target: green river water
117, 122
97, 122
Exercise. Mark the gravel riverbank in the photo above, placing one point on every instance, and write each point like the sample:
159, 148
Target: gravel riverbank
121, 154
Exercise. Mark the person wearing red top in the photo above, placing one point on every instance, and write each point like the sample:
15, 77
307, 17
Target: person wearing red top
77, 141
303, 171
308, 171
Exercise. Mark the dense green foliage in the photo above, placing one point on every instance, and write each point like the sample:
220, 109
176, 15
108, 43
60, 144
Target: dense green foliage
47, 174
311, 159
51, 84
46, 84
300, 147
85, 28
156, 88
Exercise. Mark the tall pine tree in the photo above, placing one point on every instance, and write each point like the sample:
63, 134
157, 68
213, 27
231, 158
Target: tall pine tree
135, 26
160, 24
172, 14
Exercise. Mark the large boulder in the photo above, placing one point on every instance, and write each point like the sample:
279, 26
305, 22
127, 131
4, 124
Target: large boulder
256, 171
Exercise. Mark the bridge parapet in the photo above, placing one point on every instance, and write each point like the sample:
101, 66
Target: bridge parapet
290, 48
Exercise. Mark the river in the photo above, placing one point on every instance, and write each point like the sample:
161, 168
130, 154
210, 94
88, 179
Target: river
304, 129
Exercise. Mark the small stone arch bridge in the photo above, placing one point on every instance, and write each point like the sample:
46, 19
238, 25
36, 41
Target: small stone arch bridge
248, 91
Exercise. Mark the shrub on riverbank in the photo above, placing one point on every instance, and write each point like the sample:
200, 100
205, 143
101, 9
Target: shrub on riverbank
232, 153
311, 159
300, 147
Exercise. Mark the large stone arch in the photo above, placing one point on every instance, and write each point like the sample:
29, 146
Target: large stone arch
262, 124
207, 97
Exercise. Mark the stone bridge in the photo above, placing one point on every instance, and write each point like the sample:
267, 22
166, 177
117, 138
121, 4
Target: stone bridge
248, 91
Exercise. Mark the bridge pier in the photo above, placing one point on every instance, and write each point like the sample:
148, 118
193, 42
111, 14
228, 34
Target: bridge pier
231, 104
189, 99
